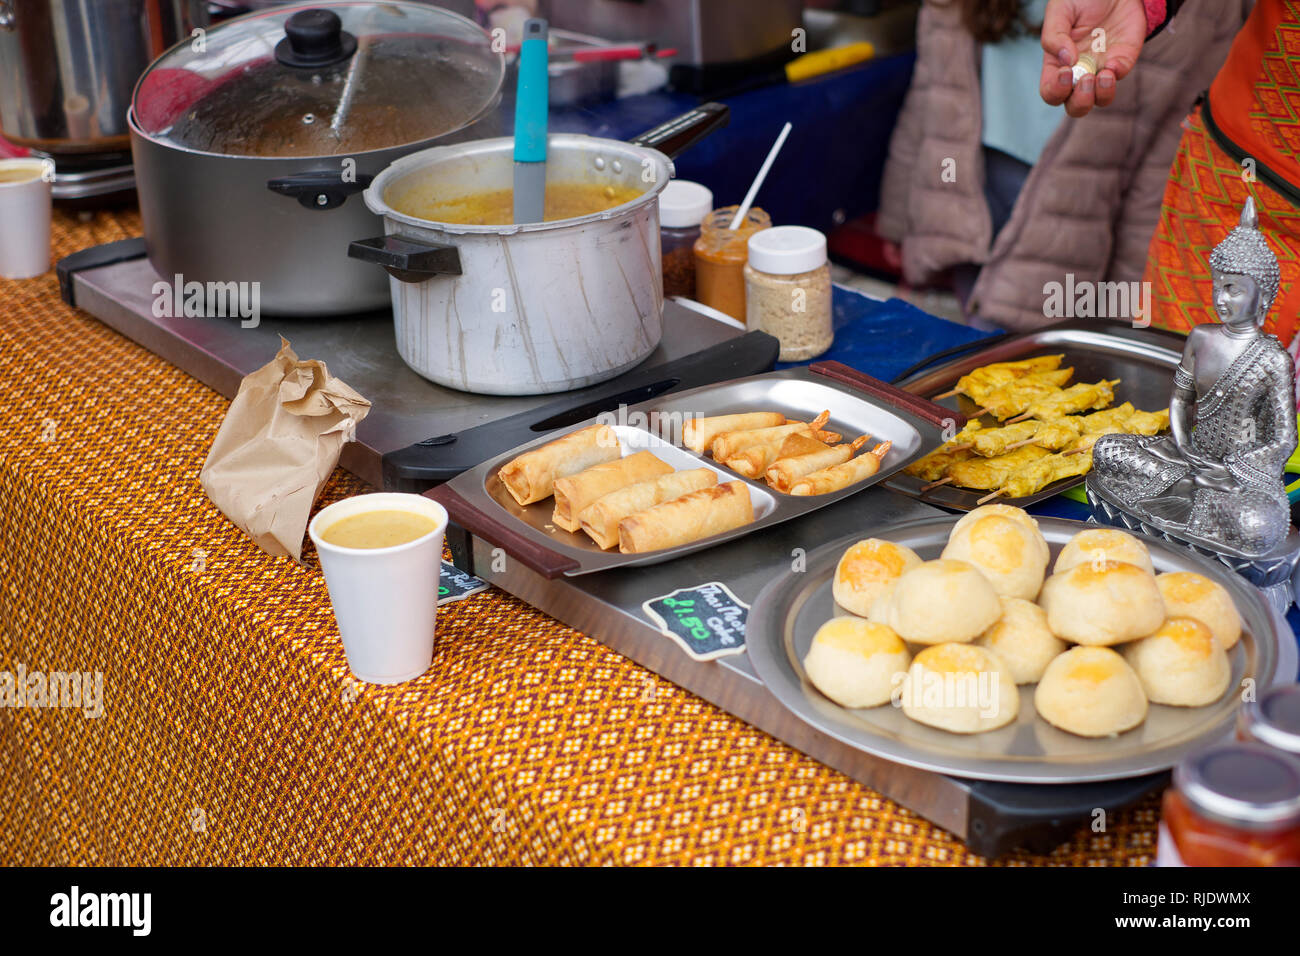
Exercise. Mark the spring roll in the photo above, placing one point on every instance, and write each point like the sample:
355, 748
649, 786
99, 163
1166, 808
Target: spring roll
785, 471
841, 476
756, 459
698, 433
729, 444
600, 519
691, 517
531, 476
575, 492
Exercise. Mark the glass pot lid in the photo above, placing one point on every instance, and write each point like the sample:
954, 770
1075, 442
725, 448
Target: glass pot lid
320, 79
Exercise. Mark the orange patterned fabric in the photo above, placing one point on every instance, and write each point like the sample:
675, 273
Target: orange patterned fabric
1255, 97
1202, 204
231, 732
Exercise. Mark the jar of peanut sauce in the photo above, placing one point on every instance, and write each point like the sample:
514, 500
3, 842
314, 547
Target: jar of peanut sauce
720, 257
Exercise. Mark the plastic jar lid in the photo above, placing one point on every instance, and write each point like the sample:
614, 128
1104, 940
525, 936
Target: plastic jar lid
787, 250
684, 204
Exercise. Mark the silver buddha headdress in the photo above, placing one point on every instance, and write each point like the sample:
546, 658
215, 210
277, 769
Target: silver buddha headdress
1246, 252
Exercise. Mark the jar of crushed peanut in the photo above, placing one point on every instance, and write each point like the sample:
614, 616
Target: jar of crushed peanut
788, 290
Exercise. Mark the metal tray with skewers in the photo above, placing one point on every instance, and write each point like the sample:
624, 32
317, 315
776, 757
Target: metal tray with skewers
1041, 455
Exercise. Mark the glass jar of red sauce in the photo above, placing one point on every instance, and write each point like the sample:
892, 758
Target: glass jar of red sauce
720, 257
1235, 805
1273, 720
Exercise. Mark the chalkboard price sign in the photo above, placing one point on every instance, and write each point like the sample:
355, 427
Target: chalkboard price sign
707, 620
454, 584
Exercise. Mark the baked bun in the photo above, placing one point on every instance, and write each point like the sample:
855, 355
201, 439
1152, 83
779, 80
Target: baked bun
941, 601
1181, 664
879, 610
1188, 594
866, 570
1092, 692
995, 510
1106, 603
853, 662
1022, 639
1098, 545
960, 688
1012, 554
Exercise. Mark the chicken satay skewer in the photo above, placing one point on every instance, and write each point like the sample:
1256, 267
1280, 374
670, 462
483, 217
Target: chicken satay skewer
985, 473
1037, 475
1076, 398
980, 381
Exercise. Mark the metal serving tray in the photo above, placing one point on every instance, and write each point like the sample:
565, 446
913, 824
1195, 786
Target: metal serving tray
1143, 359
478, 501
790, 609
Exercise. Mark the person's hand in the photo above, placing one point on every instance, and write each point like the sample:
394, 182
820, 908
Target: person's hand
1068, 27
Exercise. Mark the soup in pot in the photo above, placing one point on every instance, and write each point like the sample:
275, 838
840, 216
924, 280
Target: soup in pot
496, 208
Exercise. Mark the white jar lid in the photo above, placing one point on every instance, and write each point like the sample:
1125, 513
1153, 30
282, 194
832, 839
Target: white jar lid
684, 204
787, 250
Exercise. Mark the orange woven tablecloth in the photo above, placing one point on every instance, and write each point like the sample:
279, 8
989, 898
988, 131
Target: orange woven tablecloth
231, 731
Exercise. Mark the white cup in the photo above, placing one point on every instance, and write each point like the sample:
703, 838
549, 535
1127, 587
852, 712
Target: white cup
25, 218
384, 598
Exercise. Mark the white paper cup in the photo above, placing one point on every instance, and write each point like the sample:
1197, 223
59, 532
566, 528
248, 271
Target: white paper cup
384, 598
25, 219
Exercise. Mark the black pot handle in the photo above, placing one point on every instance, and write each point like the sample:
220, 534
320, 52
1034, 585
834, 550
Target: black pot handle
321, 188
678, 135
407, 260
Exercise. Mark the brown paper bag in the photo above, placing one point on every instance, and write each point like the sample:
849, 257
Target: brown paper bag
277, 446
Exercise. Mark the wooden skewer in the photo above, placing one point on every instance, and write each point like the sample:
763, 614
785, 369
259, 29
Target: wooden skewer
967, 446
989, 497
935, 484
1019, 418
978, 413
948, 394
1021, 444
1077, 451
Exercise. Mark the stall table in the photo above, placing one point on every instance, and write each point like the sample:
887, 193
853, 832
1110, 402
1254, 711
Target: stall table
231, 731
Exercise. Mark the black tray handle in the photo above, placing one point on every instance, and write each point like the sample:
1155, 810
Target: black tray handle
320, 188
935, 414
406, 259
96, 257
681, 133
531, 554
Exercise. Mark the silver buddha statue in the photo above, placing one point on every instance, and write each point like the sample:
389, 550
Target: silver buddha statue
1216, 478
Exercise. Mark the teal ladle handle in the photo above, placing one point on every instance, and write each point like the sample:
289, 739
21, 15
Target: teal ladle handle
533, 95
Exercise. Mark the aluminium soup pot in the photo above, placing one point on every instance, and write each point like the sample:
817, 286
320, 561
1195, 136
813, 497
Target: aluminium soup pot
250, 143
522, 309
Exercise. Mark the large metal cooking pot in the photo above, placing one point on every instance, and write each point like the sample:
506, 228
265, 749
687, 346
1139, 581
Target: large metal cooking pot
524, 309
67, 69
249, 148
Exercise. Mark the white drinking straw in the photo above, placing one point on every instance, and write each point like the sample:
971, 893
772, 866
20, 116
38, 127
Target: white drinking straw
743, 211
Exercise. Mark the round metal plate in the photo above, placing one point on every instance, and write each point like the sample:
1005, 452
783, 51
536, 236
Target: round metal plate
789, 610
